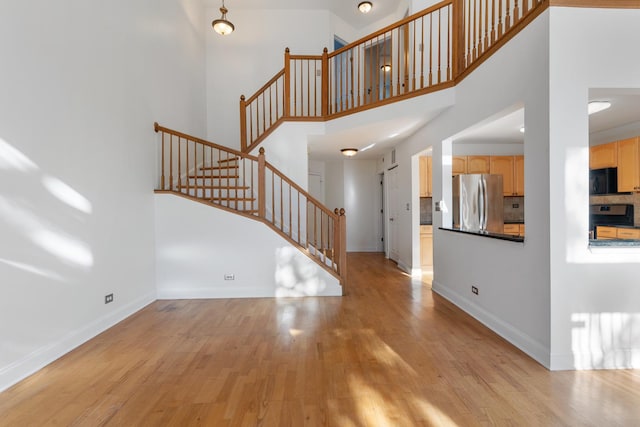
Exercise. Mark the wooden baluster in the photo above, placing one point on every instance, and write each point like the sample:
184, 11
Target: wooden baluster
500, 19
179, 166
277, 101
261, 184
439, 47
325, 83
251, 123
298, 206
171, 163
211, 162
449, 19
203, 173
493, 21
264, 113
294, 112
525, 7
430, 49
422, 52
413, 73
456, 11
468, 31
486, 24
516, 13
507, 18
270, 106
287, 85
399, 70
351, 80
243, 124
290, 213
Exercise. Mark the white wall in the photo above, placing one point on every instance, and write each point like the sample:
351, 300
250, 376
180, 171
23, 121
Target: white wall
595, 297
197, 245
82, 84
513, 278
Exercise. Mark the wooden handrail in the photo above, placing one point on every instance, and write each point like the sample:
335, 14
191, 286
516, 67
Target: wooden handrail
265, 87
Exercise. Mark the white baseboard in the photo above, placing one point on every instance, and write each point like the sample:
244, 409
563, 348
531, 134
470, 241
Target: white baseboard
240, 292
524, 342
38, 359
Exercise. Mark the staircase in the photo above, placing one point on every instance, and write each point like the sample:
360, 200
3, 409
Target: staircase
248, 185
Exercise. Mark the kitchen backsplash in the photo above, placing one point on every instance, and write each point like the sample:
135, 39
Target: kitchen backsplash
629, 199
514, 209
426, 216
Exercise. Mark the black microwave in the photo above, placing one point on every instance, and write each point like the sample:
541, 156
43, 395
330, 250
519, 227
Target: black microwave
603, 181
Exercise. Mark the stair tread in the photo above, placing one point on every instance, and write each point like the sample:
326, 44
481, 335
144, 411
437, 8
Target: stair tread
215, 168
215, 187
213, 176
230, 159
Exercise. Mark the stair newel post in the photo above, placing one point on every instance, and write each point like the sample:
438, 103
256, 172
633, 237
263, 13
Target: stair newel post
287, 84
458, 37
243, 124
325, 82
340, 241
261, 184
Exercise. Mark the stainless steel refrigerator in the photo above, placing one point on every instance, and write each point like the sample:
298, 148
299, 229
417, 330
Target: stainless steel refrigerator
478, 203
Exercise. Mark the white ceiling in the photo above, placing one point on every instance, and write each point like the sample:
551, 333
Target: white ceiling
347, 10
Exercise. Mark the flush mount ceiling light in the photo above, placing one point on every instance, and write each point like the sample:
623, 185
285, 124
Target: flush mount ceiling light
386, 68
222, 26
521, 129
349, 152
365, 6
597, 106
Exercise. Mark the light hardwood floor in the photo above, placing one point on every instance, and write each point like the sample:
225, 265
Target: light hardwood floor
390, 353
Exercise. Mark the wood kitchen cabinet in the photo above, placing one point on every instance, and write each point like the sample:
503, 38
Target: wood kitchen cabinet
608, 233
459, 165
514, 229
629, 164
478, 164
512, 170
426, 245
603, 156
425, 176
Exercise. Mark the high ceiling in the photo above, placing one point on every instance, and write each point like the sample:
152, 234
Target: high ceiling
347, 10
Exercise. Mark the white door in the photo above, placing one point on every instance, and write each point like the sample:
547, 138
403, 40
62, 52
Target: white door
392, 209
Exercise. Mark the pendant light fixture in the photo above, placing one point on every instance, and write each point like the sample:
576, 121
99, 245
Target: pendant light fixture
222, 26
365, 6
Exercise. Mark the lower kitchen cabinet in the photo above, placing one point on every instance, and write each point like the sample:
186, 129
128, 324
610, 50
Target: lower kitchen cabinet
426, 245
608, 233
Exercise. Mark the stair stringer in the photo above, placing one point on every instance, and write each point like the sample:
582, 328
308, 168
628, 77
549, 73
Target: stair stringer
196, 246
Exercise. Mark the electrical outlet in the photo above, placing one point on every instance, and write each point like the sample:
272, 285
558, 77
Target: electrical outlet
108, 298
474, 290
229, 277
515, 205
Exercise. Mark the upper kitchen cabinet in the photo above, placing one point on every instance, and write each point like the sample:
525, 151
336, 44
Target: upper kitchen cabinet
603, 156
504, 165
459, 165
518, 175
425, 176
512, 170
629, 164
478, 164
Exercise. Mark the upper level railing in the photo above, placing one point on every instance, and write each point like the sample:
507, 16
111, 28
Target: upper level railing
250, 186
427, 51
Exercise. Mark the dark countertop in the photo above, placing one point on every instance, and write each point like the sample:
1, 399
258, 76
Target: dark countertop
425, 223
517, 239
613, 243
514, 222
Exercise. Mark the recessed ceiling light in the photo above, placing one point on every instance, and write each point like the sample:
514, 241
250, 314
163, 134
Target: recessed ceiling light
368, 146
349, 152
365, 6
597, 106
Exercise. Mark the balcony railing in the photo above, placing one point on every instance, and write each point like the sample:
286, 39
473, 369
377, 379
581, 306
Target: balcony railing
425, 52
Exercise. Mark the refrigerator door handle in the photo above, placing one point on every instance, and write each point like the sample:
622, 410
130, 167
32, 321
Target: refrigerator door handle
481, 200
483, 215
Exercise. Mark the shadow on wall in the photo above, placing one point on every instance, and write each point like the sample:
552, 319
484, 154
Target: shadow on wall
27, 231
296, 276
605, 340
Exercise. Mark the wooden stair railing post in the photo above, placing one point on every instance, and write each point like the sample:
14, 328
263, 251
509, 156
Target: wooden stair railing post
243, 124
261, 184
325, 82
287, 84
458, 28
342, 267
